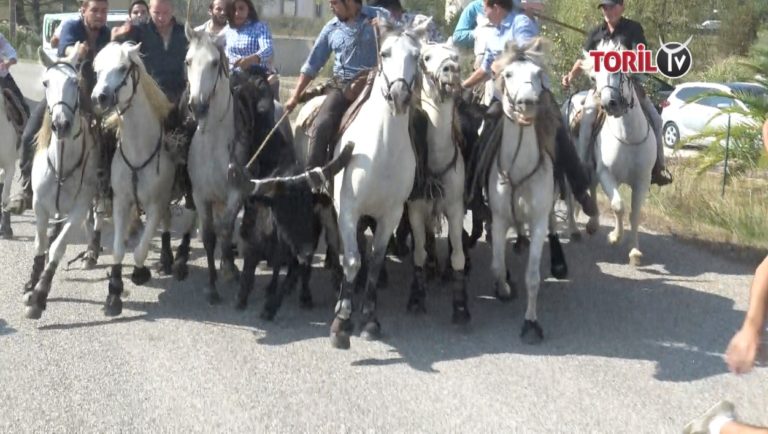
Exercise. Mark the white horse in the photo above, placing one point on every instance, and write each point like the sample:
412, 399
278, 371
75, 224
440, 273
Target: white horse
445, 171
8, 155
520, 182
624, 150
143, 170
64, 173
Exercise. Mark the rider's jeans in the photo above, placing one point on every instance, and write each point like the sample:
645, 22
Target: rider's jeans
326, 126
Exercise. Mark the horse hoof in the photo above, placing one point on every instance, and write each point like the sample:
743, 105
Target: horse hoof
241, 304
371, 331
29, 298
213, 298
268, 314
140, 276
613, 238
89, 263
229, 273
461, 315
506, 295
114, 305
305, 302
576, 236
33, 312
592, 226
532, 334
180, 271
635, 257
559, 271
340, 340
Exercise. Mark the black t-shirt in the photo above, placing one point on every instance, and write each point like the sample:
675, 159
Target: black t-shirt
629, 33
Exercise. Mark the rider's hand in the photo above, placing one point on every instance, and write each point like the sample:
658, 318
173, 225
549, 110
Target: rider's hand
292, 102
742, 350
82, 51
567, 78
122, 30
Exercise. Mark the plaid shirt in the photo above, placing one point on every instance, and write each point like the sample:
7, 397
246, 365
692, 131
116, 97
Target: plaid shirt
253, 37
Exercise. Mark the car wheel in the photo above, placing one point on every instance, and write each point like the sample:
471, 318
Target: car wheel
671, 135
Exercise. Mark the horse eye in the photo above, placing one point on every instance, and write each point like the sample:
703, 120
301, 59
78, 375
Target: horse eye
187, 62
385, 54
426, 58
508, 75
123, 68
215, 64
45, 83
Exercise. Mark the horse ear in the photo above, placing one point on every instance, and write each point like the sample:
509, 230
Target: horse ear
43, 56
190, 32
421, 28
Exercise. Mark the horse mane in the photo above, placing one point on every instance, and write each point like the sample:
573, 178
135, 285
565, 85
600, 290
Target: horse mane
43, 135
535, 51
588, 63
158, 102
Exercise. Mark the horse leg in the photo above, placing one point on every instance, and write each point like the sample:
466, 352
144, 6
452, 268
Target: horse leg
638, 197
305, 298
342, 323
371, 329
329, 222
521, 241
557, 267
250, 261
573, 229
166, 252
179, 268
455, 215
400, 242
6, 232
36, 299
274, 296
611, 188
141, 273
93, 226
120, 215
504, 290
594, 222
41, 246
417, 299
531, 332
229, 271
209, 242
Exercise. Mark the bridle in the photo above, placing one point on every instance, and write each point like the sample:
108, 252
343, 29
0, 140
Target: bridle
623, 103
65, 104
387, 90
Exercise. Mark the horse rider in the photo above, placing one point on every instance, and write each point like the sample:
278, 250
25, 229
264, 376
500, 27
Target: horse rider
249, 45
217, 24
521, 28
8, 58
351, 38
473, 28
393, 9
91, 31
629, 33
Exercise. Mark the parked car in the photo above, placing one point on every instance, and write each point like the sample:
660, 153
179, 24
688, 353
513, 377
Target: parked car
52, 21
683, 117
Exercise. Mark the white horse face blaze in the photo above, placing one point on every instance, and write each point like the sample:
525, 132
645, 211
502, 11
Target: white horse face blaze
399, 66
62, 94
523, 83
203, 66
113, 66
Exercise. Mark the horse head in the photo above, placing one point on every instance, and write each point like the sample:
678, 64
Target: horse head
206, 65
523, 78
440, 70
61, 81
398, 64
614, 89
117, 76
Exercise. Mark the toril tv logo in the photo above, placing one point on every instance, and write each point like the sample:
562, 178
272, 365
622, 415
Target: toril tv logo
673, 60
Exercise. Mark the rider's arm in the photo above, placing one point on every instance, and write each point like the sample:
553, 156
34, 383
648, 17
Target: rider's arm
589, 44
483, 73
524, 29
7, 51
319, 55
463, 34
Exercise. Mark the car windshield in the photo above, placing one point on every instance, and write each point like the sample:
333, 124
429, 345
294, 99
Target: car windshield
754, 89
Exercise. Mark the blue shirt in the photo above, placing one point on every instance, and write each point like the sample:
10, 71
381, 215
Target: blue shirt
463, 33
74, 31
515, 27
253, 37
352, 42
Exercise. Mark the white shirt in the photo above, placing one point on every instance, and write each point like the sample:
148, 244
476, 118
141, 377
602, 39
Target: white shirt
206, 26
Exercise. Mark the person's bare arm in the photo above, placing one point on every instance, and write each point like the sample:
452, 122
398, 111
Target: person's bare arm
572, 74
742, 350
301, 85
476, 78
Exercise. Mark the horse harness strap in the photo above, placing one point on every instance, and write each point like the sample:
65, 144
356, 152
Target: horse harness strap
135, 170
507, 178
61, 177
134, 74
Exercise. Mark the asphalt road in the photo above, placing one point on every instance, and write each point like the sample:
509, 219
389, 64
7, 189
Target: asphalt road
626, 350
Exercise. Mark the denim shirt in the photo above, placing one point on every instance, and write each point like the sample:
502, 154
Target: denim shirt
516, 27
74, 31
352, 42
464, 32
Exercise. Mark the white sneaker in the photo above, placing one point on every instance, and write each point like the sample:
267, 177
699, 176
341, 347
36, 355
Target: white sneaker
700, 425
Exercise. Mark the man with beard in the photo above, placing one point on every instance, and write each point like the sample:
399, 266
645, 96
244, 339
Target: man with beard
218, 21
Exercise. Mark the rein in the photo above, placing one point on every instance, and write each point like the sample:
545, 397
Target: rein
134, 74
61, 176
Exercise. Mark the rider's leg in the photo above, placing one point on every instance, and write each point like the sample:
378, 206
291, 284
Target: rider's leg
588, 115
9, 83
659, 175
326, 126
567, 160
23, 200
